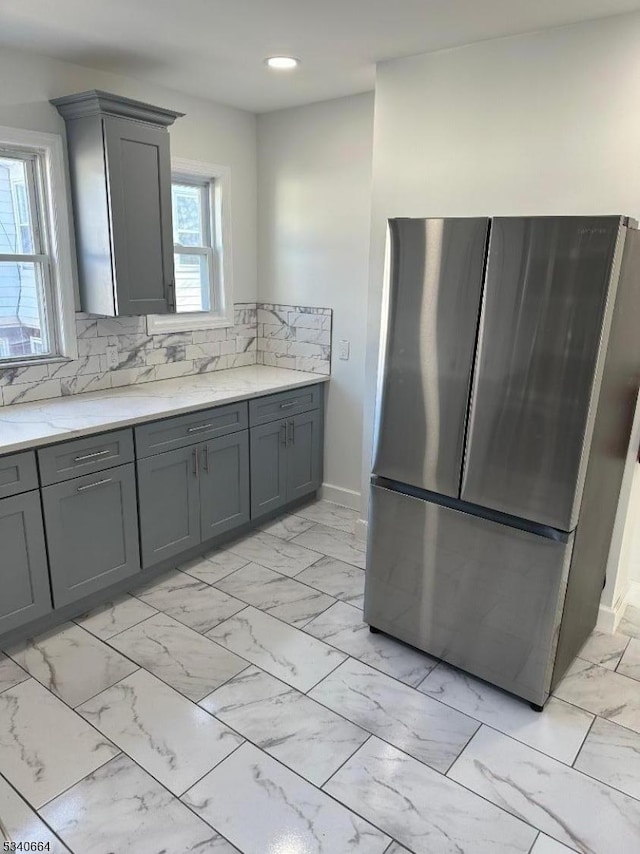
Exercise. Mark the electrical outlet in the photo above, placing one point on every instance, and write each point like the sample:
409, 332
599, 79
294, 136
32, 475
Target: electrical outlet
344, 350
112, 356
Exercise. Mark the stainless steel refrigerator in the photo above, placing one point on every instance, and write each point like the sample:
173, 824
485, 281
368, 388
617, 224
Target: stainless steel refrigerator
509, 371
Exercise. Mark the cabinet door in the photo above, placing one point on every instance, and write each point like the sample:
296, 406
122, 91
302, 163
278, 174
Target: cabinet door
92, 532
268, 467
24, 579
304, 454
139, 191
169, 504
224, 484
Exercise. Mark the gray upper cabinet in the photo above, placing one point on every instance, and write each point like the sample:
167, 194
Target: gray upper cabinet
92, 532
169, 504
121, 184
23, 562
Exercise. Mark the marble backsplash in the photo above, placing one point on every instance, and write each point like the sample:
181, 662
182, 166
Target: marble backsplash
287, 336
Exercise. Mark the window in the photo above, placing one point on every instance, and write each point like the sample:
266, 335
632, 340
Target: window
193, 252
36, 284
202, 249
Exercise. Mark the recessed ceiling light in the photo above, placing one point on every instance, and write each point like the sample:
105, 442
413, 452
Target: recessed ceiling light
282, 63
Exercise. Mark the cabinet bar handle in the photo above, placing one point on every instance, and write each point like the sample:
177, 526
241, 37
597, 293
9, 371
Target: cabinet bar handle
205, 454
194, 457
287, 405
283, 433
93, 485
91, 456
293, 432
199, 427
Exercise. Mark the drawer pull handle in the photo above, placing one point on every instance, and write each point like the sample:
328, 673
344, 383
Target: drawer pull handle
91, 456
288, 405
199, 427
93, 485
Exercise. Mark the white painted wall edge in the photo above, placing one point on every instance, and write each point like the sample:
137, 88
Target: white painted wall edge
609, 616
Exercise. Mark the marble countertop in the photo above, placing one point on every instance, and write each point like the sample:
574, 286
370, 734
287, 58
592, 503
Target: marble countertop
29, 425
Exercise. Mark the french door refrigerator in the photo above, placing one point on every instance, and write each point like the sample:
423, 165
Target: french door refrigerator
509, 370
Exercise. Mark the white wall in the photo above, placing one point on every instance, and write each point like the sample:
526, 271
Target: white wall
544, 123
209, 132
314, 202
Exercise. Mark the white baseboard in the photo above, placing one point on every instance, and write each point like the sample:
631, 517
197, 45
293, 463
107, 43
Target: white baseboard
609, 617
339, 495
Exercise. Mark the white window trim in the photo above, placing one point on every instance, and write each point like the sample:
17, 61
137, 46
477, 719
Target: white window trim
56, 212
158, 324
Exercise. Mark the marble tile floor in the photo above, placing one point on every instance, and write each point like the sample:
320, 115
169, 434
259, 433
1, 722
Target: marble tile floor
239, 703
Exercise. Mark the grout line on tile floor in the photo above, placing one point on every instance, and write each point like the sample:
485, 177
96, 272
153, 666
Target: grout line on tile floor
37, 812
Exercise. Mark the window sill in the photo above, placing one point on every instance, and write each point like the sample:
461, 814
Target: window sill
9, 364
160, 324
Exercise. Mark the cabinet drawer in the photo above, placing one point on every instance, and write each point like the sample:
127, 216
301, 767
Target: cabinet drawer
84, 456
18, 473
265, 409
186, 430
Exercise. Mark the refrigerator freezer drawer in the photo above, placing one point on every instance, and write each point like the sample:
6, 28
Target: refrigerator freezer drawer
483, 596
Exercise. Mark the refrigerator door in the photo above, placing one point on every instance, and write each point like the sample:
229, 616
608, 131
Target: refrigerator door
544, 319
483, 596
429, 330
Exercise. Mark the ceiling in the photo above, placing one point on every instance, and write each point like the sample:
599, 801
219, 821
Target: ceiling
215, 48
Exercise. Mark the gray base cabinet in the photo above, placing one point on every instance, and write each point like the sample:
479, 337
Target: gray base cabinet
286, 461
23, 562
191, 495
268, 467
169, 504
224, 484
92, 532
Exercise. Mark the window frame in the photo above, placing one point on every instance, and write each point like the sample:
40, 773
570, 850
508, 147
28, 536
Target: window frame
51, 224
220, 265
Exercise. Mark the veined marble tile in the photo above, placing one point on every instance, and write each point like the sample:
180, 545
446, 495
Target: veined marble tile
341, 626
560, 801
72, 663
630, 622
301, 733
213, 566
180, 656
285, 652
173, 739
19, 823
604, 649
603, 692
287, 527
395, 848
10, 673
190, 601
425, 811
422, 727
44, 746
107, 620
611, 754
275, 594
341, 580
630, 663
261, 806
274, 553
328, 513
120, 808
546, 845
335, 543
558, 731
